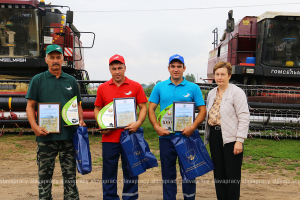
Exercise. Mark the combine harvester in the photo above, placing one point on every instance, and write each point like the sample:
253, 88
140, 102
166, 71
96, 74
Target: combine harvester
264, 53
26, 28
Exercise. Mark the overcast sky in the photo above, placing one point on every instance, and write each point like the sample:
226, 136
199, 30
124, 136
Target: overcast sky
147, 39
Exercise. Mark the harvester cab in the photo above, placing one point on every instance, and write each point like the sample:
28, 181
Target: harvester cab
261, 48
27, 27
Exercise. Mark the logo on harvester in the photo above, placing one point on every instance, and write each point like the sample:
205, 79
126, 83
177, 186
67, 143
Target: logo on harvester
191, 156
136, 152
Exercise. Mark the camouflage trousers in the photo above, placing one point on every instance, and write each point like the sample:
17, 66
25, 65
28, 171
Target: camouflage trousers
46, 154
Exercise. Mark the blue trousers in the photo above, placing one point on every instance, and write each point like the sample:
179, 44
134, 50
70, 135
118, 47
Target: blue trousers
110, 154
168, 157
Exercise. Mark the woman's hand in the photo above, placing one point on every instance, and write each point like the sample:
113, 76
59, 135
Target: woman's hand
238, 148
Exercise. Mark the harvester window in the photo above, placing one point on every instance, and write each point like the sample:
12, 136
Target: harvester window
18, 33
281, 43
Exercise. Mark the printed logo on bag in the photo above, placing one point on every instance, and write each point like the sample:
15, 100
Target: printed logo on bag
169, 113
191, 156
110, 110
74, 105
136, 152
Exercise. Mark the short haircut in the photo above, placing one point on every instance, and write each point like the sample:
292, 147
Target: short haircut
176, 60
222, 64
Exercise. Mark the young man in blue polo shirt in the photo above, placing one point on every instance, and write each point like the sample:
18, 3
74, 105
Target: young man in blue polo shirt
176, 88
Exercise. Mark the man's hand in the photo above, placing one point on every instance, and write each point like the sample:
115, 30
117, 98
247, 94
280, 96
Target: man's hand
39, 131
133, 126
188, 131
82, 123
238, 148
104, 132
161, 131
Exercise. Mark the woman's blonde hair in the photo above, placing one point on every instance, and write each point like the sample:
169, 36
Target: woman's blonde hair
223, 64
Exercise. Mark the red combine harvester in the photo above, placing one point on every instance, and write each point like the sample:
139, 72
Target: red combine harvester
27, 27
264, 52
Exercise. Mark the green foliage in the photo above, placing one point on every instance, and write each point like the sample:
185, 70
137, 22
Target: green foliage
151, 85
148, 91
190, 78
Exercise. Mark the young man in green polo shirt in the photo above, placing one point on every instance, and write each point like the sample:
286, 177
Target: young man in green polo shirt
54, 86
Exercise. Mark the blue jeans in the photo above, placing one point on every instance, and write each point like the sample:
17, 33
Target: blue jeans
110, 154
168, 157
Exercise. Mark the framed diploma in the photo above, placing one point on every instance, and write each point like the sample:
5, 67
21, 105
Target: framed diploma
49, 116
69, 112
165, 118
183, 115
106, 117
125, 111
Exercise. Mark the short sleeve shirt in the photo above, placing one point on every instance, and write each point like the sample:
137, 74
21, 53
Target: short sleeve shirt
46, 88
109, 90
164, 93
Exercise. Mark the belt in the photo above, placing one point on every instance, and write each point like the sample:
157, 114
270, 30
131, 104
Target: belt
216, 127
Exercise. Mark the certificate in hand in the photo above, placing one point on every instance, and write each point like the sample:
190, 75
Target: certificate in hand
105, 117
125, 111
49, 116
183, 115
165, 118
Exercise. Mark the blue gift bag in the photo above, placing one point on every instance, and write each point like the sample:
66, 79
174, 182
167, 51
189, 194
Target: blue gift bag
82, 148
192, 154
137, 152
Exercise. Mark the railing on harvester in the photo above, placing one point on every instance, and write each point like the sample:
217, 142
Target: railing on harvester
275, 110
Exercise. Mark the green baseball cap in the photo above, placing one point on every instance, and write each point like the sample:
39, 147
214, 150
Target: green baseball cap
53, 47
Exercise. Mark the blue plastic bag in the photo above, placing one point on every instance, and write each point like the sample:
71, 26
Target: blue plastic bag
82, 150
137, 152
192, 154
